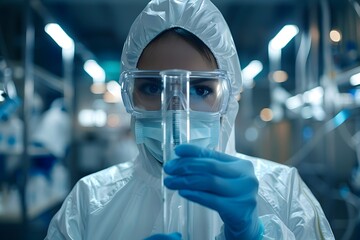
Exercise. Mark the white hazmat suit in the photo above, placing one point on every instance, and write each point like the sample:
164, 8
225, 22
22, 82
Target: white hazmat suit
125, 201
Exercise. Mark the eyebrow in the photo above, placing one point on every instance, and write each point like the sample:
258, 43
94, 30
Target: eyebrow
149, 79
200, 80
196, 80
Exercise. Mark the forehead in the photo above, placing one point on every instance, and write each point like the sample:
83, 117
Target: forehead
173, 52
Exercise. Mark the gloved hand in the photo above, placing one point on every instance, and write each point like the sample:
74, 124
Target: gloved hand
220, 182
172, 236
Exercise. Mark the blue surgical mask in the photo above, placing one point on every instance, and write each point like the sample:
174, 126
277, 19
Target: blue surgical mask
204, 132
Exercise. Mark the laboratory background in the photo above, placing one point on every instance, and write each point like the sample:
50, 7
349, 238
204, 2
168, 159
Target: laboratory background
62, 116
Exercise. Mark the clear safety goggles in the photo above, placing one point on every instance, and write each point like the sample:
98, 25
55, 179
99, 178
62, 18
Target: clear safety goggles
205, 91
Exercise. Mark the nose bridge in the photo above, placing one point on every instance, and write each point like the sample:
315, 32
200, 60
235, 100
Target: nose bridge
176, 84
175, 94
175, 103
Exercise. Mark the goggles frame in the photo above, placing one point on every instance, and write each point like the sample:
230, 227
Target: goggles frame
126, 92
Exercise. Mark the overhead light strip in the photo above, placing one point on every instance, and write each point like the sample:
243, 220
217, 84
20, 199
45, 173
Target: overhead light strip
59, 36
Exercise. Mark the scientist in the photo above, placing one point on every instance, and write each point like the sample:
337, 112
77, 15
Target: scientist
244, 197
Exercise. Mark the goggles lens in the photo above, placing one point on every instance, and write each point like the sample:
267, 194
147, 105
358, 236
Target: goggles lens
141, 91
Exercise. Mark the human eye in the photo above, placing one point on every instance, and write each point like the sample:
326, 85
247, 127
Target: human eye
203, 87
202, 91
150, 88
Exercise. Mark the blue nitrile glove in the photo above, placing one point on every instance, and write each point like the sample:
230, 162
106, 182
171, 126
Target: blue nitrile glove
172, 236
220, 182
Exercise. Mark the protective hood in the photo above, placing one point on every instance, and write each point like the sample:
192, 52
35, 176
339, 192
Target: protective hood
204, 20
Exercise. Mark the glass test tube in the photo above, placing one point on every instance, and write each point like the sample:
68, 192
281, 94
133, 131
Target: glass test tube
176, 130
